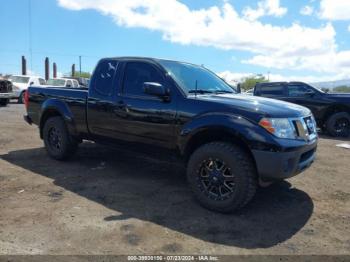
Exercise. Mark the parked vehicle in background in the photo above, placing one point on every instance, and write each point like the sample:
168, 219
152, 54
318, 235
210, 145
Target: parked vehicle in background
20, 83
249, 92
6, 92
230, 142
332, 111
63, 82
83, 82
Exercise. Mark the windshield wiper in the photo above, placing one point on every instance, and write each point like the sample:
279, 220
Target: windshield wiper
200, 91
223, 92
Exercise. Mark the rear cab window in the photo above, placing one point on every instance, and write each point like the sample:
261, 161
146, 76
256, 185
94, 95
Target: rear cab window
103, 82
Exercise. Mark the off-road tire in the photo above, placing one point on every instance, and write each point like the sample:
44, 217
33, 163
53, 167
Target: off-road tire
331, 125
4, 101
21, 98
55, 126
241, 166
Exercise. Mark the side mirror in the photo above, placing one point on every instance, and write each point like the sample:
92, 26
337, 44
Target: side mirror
238, 89
310, 93
68, 85
31, 83
155, 89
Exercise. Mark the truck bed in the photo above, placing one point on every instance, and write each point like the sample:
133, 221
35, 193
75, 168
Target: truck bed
75, 99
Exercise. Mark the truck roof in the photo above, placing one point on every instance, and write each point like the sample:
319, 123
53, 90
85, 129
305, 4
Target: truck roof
141, 58
278, 83
27, 76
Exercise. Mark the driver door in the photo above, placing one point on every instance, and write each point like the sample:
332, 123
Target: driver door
146, 118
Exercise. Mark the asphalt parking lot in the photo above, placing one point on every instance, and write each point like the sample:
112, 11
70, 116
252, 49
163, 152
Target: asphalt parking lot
109, 201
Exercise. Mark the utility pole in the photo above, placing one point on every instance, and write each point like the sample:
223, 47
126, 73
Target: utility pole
80, 65
47, 69
54, 70
73, 70
24, 65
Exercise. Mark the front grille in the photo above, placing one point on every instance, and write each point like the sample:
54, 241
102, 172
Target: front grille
307, 155
5, 87
305, 127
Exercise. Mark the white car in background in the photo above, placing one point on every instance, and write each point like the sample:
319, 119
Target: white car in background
20, 83
63, 82
250, 92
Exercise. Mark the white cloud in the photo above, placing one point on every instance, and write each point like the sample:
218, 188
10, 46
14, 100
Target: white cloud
307, 10
234, 77
329, 62
219, 27
294, 47
266, 7
335, 9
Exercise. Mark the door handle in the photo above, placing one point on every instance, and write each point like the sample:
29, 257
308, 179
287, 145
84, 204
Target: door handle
121, 105
121, 109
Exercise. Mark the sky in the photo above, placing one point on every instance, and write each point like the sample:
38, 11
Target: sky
305, 40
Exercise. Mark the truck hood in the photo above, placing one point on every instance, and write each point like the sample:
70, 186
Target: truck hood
340, 95
20, 86
264, 107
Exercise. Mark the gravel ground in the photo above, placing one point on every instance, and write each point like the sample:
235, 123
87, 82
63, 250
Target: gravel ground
106, 201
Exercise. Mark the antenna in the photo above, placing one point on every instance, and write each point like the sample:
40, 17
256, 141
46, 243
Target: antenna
196, 88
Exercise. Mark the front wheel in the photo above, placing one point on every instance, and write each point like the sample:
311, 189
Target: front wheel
222, 176
59, 144
338, 124
4, 101
21, 98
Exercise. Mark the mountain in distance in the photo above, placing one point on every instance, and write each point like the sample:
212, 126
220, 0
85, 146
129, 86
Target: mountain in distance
332, 84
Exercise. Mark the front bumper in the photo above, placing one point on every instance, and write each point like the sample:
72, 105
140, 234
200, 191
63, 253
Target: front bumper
28, 119
17, 93
288, 163
7, 95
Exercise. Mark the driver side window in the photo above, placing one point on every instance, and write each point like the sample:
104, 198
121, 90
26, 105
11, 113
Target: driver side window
298, 90
137, 73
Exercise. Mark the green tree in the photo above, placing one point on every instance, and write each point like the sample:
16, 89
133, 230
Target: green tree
342, 89
250, 82
82, 74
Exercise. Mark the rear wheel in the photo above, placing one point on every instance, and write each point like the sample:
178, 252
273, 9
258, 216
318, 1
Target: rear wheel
338, 124
222, 176
4, 101
59, 144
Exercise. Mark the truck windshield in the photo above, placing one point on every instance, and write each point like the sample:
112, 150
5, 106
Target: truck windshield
56, 82
318, 89
19, 79
196, 79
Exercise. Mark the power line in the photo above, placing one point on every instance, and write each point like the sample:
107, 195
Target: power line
47, 53
30, 33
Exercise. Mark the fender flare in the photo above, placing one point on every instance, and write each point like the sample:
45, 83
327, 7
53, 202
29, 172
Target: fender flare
57, 107
239, 127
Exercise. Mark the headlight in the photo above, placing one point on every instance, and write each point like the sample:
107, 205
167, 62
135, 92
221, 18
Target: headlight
15, 88
280, 127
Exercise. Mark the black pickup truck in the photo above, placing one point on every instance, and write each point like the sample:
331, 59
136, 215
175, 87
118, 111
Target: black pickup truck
230, 142
332, 111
